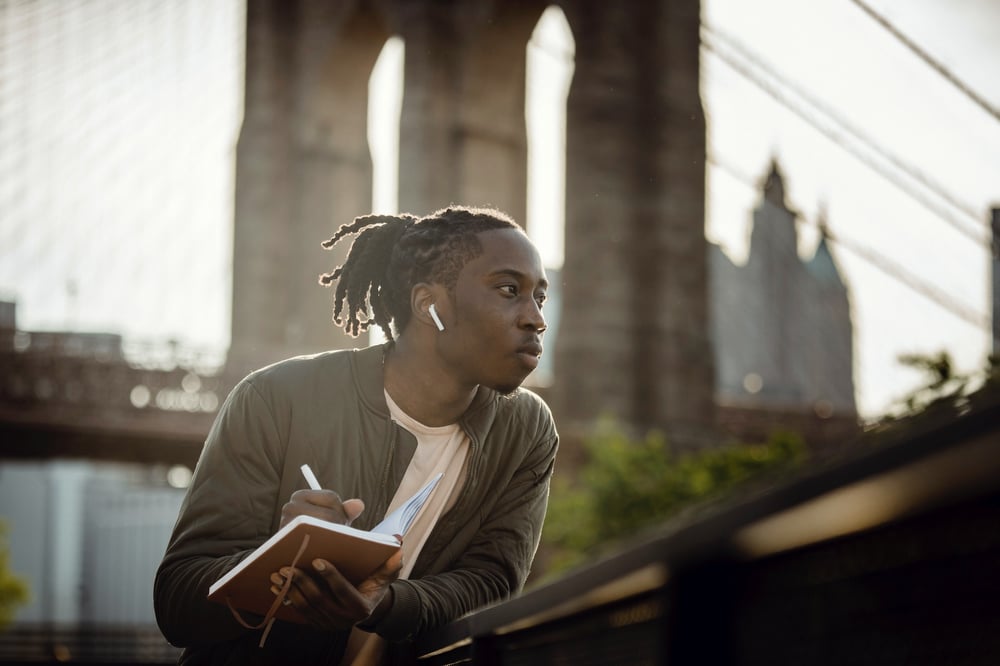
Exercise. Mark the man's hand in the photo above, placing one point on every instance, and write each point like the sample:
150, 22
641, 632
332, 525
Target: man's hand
329, 601
322, 504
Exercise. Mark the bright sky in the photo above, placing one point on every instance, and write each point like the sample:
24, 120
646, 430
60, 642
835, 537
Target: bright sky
833, 52
127, 140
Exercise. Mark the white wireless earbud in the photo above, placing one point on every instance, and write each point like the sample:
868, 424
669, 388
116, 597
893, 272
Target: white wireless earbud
434, 315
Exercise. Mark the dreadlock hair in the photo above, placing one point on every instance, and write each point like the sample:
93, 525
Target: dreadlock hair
392, 253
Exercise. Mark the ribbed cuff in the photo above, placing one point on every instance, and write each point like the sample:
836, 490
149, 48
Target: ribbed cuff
380, 611
397, 625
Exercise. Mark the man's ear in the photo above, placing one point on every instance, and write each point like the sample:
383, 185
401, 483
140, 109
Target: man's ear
423, 296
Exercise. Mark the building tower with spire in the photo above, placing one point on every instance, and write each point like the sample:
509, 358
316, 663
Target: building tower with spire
782, 325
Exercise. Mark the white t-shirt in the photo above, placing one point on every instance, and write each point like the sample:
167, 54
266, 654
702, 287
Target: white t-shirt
439, 449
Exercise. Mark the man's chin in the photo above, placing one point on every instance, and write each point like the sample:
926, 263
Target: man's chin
506, 388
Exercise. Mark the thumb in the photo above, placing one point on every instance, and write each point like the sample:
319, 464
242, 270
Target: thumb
389, 571
353, 509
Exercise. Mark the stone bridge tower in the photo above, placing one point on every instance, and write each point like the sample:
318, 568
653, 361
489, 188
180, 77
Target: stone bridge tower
633, 338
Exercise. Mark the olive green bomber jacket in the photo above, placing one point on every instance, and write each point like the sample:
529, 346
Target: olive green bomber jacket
329, 410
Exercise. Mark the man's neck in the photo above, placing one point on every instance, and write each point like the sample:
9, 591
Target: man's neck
422, 389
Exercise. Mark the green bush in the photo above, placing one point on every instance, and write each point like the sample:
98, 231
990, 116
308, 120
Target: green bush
628, 486
13, 590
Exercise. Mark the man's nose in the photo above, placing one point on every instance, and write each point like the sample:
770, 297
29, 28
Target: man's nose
533, 318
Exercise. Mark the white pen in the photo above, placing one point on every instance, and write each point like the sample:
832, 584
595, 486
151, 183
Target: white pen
310, 477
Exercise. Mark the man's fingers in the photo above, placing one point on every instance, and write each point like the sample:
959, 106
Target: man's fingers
341, 601
353, 509
378, 582
292, 594
321, 594
322, 504
325, 498
389, 571
341, 588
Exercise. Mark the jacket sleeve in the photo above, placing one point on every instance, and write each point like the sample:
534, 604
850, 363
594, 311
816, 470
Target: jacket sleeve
496, 562
226, 513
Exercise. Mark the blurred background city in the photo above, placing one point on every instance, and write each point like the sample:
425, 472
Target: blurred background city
767, 216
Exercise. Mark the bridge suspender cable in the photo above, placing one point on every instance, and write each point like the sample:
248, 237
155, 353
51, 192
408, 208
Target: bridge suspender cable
838, 137
930, 61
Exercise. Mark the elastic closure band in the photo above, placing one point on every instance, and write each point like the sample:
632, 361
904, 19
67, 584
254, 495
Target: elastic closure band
278, 599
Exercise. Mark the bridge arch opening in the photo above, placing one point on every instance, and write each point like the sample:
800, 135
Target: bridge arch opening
549, 53
385, 103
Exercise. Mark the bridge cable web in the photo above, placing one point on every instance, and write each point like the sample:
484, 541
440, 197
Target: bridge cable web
844, 134
118, 124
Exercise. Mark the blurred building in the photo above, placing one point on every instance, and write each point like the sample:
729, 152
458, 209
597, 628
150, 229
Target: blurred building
87, 536
783, 334
781, 325
96, 451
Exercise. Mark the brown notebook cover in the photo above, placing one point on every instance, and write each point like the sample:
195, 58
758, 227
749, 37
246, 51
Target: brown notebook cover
356, 554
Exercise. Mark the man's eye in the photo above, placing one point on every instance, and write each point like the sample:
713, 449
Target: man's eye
509, 289
540, 299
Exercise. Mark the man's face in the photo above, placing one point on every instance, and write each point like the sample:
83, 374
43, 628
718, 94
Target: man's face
495, 337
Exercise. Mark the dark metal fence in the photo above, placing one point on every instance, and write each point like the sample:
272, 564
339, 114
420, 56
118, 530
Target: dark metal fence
92, 645
891, 557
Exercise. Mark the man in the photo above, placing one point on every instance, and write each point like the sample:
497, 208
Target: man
459, 295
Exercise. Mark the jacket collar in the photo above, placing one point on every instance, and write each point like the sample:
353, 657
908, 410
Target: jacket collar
367, 366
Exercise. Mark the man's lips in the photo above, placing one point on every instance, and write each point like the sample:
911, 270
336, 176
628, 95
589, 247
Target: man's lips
530, 353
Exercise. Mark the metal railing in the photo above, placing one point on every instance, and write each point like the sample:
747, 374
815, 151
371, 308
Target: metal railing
890, 557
